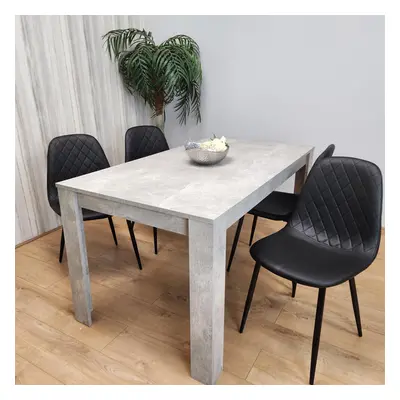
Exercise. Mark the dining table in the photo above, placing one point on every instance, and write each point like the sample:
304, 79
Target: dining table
169, 191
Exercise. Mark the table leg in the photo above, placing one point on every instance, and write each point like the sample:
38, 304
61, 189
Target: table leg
302, 173
207, 247
72, 221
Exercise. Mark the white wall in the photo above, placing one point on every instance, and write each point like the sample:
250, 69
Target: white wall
301, 79
297, 79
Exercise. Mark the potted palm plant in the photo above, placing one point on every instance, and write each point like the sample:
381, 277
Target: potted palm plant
159, 73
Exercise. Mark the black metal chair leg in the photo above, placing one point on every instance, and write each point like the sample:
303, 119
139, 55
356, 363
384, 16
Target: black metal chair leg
62, 244
253, 228
134, 244
235, 242
250, 296
294, 286
356, 308
110, 221
317, 333
155, 240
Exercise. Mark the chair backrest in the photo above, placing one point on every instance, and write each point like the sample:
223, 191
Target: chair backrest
72, 155
143, 141
340, 205
328, 152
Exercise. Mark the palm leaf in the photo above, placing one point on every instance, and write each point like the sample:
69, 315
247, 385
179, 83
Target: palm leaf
183, 41
159, 74
119, 40
170, 63
189, 101
136, 68
179, 69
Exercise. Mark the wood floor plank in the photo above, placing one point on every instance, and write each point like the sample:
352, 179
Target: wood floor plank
151, 358
134, 283
334, 362
239, 359
338, 313
266, 304
261, 377
98, 240
337, 329
140, 333
40, 249
36, 271
226, 378
50, 362
28, 374
120, 307
67, 359
57, 312
162, 325
20, 364
270, 369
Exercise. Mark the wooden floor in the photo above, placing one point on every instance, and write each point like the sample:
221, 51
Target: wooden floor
140, 333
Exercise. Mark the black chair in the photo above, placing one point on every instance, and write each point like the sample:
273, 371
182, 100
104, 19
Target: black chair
332, 235
277, 206
142, 141
69, 156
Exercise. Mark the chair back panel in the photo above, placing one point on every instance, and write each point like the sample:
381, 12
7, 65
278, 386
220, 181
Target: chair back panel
143, 141
340, 204
69, 156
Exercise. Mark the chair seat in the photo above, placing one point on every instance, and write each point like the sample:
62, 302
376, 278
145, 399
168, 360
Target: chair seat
287, 254
277, 206
88, 215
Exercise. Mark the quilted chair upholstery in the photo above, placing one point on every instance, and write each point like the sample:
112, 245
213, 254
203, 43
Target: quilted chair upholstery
143, 141
332, 235
277, 206
69, 156
341, 206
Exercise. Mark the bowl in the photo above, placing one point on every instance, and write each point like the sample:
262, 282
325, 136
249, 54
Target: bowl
206, 157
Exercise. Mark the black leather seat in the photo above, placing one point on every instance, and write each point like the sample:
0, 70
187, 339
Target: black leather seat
277, 206
142, 141
332, 235
305, 261
69, 156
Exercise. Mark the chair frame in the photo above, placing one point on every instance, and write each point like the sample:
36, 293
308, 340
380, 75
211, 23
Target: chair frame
318, 315
50, 184
320, 301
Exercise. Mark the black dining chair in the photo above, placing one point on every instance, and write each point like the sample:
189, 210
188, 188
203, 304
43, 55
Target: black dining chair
277, 206
69, 156
142, 141
332, 235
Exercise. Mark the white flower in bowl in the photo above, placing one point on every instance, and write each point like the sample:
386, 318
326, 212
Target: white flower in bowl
215, 144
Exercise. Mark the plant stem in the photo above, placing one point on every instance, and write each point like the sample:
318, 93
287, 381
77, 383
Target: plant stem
159, 103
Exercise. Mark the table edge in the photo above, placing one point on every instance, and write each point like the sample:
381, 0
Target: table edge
163, 210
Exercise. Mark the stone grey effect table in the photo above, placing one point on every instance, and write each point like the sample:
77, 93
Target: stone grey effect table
167, 191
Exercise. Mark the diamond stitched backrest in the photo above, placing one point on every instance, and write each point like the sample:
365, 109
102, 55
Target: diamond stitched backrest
73, 155
143, 141
340, 204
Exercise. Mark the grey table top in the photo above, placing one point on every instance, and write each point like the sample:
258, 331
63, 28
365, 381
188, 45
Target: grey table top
169, 182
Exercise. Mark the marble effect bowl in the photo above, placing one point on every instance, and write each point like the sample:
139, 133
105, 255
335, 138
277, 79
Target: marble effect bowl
205, 157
